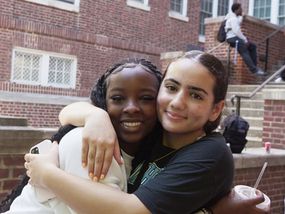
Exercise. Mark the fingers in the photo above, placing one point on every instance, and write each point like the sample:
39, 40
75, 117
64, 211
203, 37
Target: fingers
256, 200
99, 159
91, 160
26, 165
29, 157
108, 156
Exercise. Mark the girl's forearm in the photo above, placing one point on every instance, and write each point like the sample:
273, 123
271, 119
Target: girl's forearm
86, 197
77, 113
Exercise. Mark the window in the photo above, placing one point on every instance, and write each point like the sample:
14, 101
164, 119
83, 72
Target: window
206, 12
41, 68
269, 10
281, 13
176, 6
212, 8
70, 5
140, 4
223, 7
178, 10
262, 9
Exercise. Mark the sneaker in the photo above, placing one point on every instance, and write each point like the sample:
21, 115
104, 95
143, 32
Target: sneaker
260, 72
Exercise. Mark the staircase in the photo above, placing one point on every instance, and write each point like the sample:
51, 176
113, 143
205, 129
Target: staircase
251, 110
16, 137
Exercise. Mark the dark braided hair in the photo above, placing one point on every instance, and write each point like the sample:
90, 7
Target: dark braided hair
98, 93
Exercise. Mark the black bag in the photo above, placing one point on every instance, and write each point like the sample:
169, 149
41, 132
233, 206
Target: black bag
222, 34
235, 132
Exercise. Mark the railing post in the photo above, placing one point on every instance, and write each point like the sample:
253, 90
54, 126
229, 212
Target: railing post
266, 54
238, 105
229, 60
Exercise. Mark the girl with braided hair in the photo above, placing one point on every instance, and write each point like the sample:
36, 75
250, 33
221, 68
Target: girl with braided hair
127, 91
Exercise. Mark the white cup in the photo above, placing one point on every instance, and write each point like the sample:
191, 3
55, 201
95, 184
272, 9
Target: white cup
246, 192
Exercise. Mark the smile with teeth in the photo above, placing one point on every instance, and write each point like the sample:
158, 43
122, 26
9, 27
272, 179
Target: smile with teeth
131, 124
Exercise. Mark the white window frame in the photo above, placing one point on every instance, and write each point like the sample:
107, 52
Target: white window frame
139, 5
44, 68
215, 14
274, 11
59, 4
180, 16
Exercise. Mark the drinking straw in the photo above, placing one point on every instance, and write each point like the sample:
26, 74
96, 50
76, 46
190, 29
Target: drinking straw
259, 178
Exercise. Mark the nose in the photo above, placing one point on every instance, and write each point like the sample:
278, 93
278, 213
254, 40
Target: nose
131, 107
178, 101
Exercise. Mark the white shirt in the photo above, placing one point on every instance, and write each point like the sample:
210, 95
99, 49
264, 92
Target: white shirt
35, 200
232, 26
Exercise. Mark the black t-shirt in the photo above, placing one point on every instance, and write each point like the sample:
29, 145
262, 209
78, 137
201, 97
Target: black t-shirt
184, 181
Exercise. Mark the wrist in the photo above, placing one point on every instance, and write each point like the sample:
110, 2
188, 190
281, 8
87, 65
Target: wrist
95, 113
47, 177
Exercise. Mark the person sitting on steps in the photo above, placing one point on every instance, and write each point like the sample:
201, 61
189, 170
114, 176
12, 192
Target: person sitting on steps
246, 49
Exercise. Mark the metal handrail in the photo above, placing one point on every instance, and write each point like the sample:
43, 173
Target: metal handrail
270, 35
214, 48
238, 97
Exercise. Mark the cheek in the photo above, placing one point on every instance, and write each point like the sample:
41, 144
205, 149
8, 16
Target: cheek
161, 100
150, 110
113, 111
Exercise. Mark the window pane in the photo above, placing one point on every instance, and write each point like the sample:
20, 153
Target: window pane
281, 8
206, 11
223, 7
177, 6
282, 21
281, 13
262, 9
60, 70
26, 67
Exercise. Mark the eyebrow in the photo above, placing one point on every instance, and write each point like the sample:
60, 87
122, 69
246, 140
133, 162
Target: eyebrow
148, 89
189, 87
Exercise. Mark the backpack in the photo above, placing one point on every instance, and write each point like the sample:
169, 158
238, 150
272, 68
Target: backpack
222, 34
235, 132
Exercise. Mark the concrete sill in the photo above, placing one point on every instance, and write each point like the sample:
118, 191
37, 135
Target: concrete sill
255, 157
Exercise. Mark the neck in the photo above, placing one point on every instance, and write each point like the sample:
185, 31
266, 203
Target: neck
177, 141
129, 148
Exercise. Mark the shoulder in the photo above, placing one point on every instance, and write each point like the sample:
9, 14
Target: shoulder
76, 132
211, 147
116, 176
72, 140
214, 141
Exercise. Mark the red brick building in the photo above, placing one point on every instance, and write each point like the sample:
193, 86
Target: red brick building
52, 51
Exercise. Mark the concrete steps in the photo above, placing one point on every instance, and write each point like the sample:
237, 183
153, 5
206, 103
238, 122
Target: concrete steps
251, 110
17, 138
12, 121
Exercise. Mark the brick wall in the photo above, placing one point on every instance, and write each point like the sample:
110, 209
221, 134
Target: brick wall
101, 33
11, 168
273, 123
37, 115
256, 30
272, 184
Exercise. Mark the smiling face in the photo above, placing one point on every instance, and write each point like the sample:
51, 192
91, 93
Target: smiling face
186, 99
131, 103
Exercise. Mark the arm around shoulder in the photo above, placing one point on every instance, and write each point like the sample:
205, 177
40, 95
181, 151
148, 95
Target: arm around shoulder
77, 113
